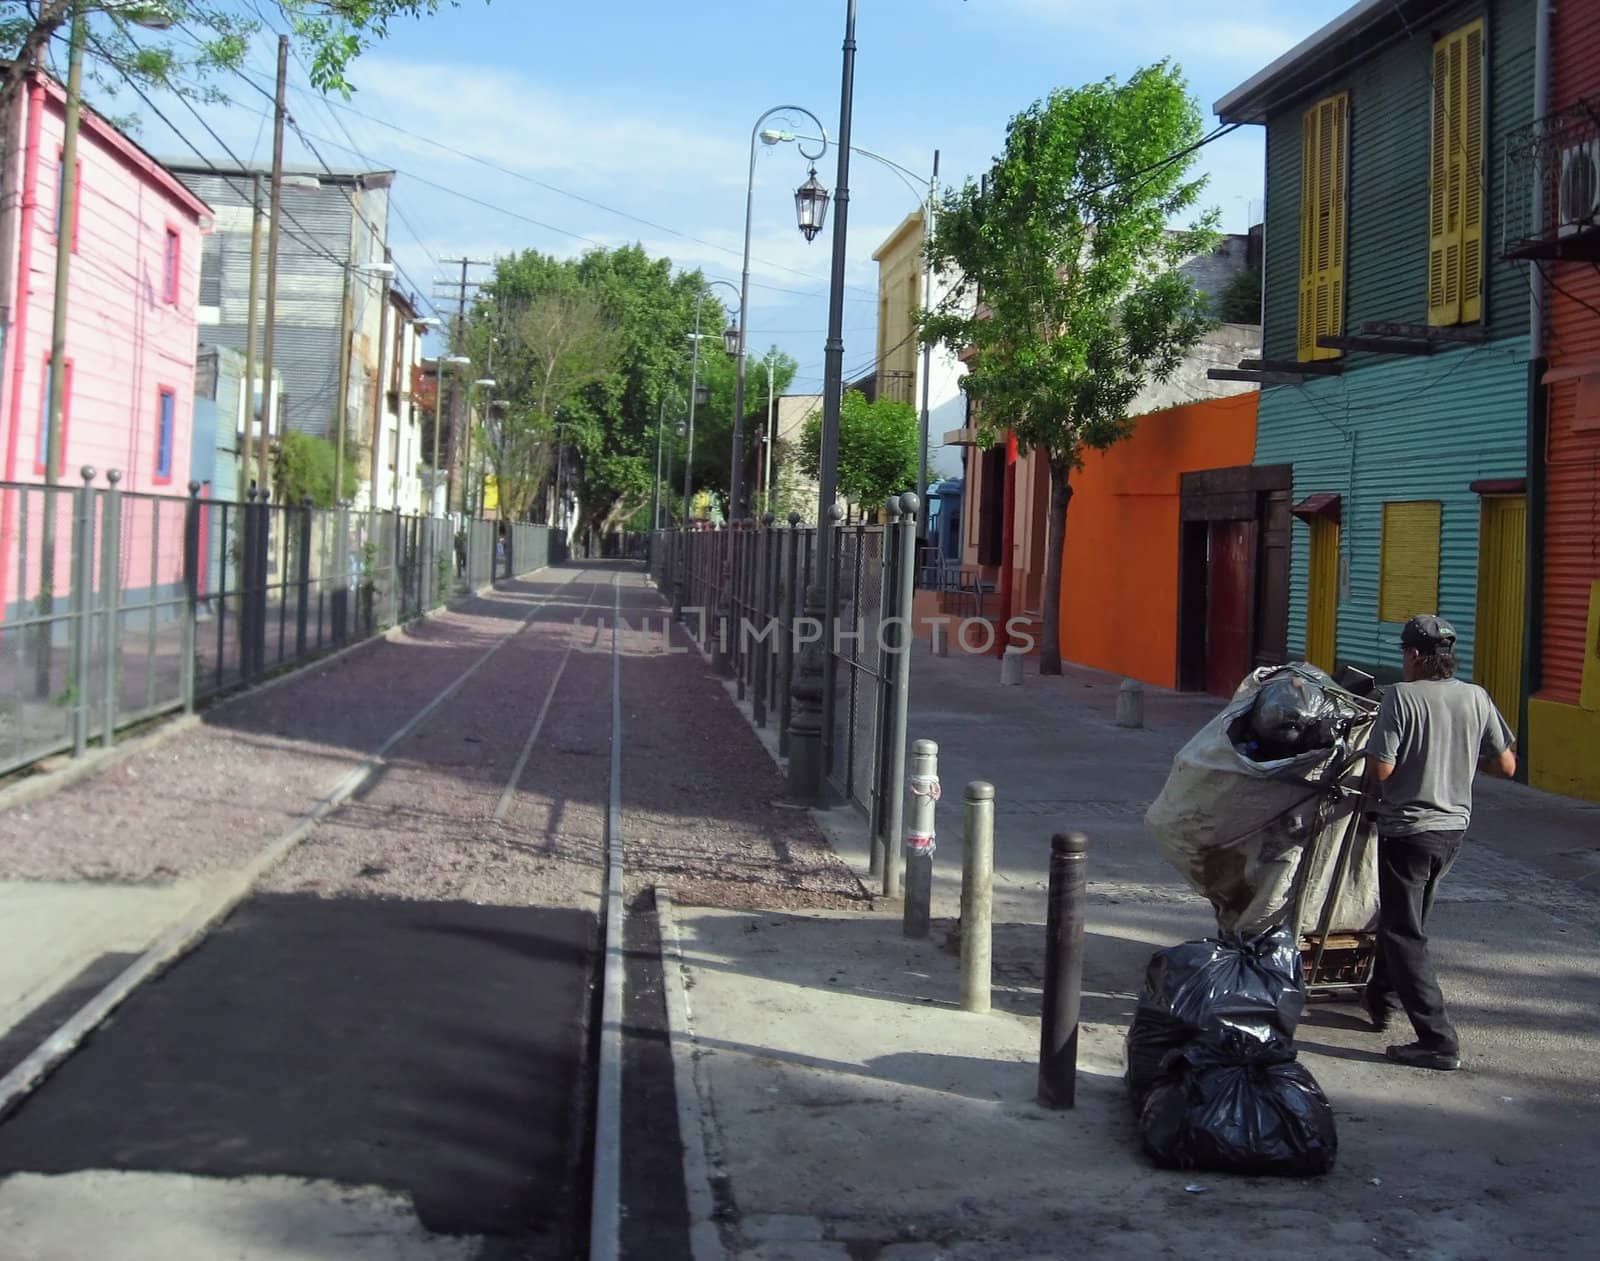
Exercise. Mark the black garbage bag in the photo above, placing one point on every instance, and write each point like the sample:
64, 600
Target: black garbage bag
1292, 715
1231, 1103
1251, 984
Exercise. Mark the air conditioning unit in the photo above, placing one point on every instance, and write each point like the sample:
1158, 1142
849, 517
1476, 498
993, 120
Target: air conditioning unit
1579, 206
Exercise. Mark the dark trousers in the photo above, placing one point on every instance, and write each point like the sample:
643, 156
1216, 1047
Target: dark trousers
1409, 870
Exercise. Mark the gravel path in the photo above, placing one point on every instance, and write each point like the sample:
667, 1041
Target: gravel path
211, 798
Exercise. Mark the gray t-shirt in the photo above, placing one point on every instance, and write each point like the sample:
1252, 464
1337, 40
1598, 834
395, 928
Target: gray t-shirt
1434, 731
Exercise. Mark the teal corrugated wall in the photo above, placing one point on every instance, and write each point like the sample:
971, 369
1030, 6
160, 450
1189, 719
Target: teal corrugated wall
1406, 428
1397, 427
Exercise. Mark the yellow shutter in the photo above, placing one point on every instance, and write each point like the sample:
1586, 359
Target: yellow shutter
1306, 336
1408, 581
1455, 179
1322, 595
1472, 174
1324, 161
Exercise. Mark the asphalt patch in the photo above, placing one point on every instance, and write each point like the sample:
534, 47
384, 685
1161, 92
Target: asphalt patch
434, 1048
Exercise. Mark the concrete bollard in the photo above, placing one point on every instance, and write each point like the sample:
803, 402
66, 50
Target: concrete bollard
1130, 703
977, 896
1063, 970
939, 639
1011, 668
922, 782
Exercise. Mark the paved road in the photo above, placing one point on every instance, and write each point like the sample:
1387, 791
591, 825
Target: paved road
386, 1050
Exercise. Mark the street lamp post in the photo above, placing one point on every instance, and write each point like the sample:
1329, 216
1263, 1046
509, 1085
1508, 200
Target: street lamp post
736, 503
812, 704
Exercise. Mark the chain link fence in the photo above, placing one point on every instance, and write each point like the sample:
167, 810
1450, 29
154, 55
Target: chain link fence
121, 607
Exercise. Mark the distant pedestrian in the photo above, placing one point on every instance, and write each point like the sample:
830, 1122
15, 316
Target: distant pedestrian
1432, 733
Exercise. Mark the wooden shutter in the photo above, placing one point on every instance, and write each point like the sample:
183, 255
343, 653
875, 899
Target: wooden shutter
1455, 179
1408, 581
1324, 162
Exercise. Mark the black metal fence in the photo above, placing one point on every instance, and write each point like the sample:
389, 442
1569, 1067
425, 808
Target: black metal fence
120, 607
741, 592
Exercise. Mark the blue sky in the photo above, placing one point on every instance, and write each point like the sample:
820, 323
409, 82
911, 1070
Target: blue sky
646, 106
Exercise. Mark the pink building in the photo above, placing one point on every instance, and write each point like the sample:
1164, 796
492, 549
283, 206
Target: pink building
128, 401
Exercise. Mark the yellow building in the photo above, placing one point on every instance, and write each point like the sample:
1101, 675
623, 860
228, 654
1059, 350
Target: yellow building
900, 297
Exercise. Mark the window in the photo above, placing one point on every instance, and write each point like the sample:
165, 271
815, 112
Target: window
1408, 581
1455, 179
1324, 161
44, 416
170, 269
211, 272
167, 414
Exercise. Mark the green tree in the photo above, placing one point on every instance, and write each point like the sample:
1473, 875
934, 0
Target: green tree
212, 36
1067, 250
1241, 298
303, 465
877, 449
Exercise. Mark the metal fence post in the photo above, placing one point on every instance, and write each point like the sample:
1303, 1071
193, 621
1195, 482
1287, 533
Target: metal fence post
790, 589
763, 619
923, 785
302, 617
1063, 970
111, 584
977, 896
902, 538
82, 605
192, 561
832, 538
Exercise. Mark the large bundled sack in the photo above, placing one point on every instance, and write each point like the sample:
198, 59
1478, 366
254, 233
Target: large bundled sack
1231, 1103
1250, 985
1260, 787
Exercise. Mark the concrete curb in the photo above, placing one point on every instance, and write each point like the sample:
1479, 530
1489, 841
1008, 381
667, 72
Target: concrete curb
192, 929
605, 1202
702, 1152
174, 723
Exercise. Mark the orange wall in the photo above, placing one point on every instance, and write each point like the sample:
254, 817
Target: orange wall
1119, 574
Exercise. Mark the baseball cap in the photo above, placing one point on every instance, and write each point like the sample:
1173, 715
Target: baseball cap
1427, 632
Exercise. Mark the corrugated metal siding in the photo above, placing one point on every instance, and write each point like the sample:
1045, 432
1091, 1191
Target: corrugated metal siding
1571, 544
315, 235
1502, 562
1386, 266
1399, 429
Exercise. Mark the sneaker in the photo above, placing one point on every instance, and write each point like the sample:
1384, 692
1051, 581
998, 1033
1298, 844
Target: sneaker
1415, 1055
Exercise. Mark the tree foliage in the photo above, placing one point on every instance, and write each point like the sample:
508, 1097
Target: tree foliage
1067, 250
205, 38
877, 449
302, 465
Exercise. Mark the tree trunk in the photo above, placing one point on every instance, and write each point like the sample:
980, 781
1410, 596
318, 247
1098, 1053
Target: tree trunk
1050, 613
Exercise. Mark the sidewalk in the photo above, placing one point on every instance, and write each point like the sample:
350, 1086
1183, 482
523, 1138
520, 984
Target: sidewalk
839, 1105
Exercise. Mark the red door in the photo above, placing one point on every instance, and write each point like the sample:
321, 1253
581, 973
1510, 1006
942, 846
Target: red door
1230, 566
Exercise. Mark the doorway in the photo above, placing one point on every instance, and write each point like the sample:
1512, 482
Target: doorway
1322, 594
1230, 564
1497, 656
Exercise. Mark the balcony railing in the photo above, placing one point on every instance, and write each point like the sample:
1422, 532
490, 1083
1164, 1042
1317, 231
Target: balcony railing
1558, 155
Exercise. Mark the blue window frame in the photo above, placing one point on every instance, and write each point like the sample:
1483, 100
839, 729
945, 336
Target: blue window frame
169, 407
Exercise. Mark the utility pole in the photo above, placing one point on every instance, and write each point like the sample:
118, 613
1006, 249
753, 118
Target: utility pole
377, 397
341, 414
269, 393
251, 330
457, 332
771, 437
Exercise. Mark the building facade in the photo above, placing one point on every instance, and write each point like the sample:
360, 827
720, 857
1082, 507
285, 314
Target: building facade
1395, 362
128, 382
330, 302
900, 363
1554, 172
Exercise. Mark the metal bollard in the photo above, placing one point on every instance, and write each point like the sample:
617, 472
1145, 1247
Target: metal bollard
977, 896
1130, 703
922, 782
939, 638
1063, 970
1011, 668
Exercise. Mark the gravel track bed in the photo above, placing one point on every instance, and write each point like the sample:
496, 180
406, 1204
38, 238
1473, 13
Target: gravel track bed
697, 788
425, 829
211, 798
